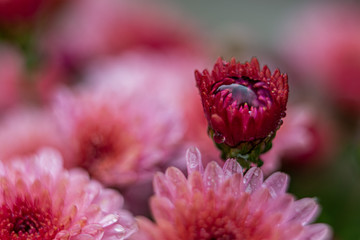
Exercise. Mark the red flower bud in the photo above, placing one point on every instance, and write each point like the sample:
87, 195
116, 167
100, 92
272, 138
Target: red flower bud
242, 103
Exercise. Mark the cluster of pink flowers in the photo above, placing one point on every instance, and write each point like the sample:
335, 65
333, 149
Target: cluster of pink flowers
93, 113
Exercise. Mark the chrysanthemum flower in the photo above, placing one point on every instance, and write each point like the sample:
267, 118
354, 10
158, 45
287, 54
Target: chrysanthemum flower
41, 200
111, 135
222, 203
243, 104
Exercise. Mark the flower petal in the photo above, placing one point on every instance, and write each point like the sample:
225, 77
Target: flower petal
304, 210
277, 184
193, 160
253, 179
231, 166
317, 231
213, 176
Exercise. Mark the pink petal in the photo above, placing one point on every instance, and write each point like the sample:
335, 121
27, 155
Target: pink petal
304, 210
196, 182
213, 176
193, 160
277, 184
62, 235
161, 186
95, 230
162, 208
177, 178
234, 186
110, 200
253, 179
259, 199
293, 231
231, 167
109, 220
283, 205
83, 237
317, 231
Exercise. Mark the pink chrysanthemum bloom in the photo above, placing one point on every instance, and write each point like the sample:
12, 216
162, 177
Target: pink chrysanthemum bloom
111, 135
40, 200
222, 203
243, 105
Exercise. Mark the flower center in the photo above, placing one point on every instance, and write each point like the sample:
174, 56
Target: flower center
98, 146
26, 220
26, 224
245, 91
241, 94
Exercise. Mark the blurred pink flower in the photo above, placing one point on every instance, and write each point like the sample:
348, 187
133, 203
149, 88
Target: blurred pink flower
222, 203
307, 138
109, 27
24, 131
160, 88
11, 67
111, 136
323, 43
40, 200
168, 80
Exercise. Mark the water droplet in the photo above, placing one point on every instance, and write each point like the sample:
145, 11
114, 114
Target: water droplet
219, 138
241, 94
